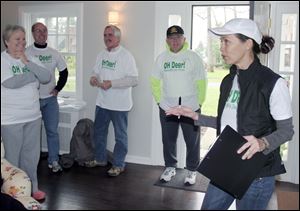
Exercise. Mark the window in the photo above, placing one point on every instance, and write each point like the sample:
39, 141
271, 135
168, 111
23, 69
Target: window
208, 47
64, 27
62, 37
287, 53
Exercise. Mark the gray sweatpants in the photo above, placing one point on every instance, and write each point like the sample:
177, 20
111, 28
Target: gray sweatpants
22, 147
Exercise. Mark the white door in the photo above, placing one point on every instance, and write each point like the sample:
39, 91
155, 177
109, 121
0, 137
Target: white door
285, 61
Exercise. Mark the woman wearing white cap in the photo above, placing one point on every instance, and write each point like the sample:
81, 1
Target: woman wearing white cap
254, 101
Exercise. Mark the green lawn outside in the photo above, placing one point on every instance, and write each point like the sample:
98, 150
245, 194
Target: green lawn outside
212, 94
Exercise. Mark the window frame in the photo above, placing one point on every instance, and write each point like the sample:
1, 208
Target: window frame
26, 14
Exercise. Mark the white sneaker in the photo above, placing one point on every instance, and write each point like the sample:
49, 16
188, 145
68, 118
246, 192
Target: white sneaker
55, 167
168, 174
190, 179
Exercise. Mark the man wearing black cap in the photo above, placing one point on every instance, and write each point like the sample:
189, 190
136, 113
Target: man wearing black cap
179, 78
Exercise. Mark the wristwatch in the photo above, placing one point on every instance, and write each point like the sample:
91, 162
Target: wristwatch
265, 142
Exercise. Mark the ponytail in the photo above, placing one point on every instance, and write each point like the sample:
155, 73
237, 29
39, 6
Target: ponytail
267, 44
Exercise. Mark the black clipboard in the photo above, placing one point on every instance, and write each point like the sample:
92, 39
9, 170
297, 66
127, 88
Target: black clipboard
226, 169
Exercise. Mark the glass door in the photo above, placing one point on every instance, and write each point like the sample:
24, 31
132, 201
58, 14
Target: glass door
208, 47
284, 60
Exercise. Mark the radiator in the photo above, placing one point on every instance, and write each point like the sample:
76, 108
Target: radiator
70, 112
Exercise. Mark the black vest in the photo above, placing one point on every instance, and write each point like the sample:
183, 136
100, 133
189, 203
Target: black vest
253, 112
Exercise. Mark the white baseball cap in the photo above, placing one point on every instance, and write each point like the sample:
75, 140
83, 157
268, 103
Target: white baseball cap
243, 26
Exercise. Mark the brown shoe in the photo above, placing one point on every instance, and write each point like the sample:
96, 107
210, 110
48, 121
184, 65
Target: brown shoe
94, 163
115, 171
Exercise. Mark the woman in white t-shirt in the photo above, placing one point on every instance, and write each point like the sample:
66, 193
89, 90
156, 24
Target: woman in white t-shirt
255, 102
20, 110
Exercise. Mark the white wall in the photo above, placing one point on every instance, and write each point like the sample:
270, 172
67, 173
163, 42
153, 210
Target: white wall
137, 25
8, 17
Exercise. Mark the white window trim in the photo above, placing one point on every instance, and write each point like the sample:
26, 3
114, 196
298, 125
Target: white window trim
279, 8
76, 9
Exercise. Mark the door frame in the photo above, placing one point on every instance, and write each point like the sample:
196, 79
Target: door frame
278, 8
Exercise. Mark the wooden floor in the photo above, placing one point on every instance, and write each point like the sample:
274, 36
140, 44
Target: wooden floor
91, 189
287, 196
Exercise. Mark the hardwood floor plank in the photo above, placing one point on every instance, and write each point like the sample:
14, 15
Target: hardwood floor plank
82, 188
91, 188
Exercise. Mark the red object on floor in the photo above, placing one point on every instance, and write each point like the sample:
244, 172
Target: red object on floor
39, 195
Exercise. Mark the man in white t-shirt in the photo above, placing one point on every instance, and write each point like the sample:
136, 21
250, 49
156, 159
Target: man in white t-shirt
179, 78
114, 75
50, 59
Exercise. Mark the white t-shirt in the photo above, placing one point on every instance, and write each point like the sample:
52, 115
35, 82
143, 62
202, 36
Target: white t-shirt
50, 59
280, 103
230, 110
112, 65
179, 73
17, 105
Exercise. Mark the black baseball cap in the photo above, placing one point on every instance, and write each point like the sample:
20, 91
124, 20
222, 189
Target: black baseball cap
174, 30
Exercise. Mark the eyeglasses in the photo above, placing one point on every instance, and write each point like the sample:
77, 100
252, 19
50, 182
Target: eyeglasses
41, 31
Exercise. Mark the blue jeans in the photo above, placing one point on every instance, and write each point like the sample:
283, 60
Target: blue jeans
120, 122
256, 198
50, 115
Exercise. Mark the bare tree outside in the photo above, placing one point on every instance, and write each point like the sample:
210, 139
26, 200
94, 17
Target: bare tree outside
205, 17
208, 47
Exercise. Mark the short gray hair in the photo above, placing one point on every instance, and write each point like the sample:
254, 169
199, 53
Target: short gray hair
9, 29
116, 30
